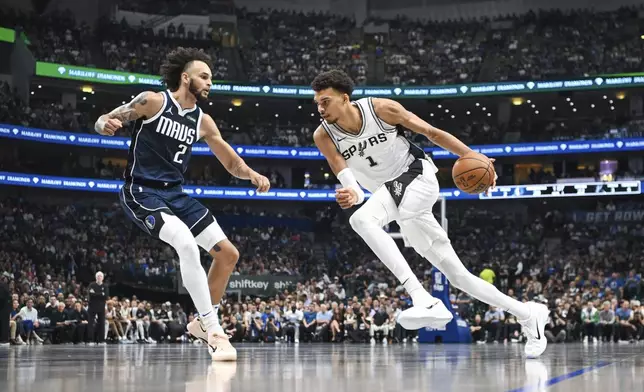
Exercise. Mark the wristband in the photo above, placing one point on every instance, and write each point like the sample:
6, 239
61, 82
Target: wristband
348, 180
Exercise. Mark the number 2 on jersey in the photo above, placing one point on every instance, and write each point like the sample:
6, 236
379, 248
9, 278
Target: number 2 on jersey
182, 150
372, 163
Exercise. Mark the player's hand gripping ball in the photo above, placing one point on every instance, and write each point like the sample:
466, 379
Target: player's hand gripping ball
474, 173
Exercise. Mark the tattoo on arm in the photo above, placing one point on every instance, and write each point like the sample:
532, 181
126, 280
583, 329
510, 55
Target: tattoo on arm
127, 112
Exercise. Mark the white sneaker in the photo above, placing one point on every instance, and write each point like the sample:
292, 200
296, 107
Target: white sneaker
220, 348
372, 341
414, 339
534, 328
594, 340
4, 344
297, 341
404, 340
434, 316
197, 329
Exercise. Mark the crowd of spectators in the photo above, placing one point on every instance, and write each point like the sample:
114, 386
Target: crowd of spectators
55, 36
292, 48
286, 47
421, 53
583, 271
140, 49
552, 44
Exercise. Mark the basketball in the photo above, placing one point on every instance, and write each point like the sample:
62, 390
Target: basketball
473, 173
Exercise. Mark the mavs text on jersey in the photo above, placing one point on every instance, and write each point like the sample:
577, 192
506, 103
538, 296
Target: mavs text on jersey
162, 145
158, 158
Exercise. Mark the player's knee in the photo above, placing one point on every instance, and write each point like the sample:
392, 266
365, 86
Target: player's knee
228, 255
187, 250
178, 235
361, 220
445, 258
233, 256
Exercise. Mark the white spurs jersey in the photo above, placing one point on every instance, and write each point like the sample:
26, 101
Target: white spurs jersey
378, 153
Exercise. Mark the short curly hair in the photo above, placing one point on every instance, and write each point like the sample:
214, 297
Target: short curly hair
175, 64
335, 79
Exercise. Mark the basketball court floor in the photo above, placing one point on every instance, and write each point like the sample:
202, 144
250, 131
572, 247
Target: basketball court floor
322, 367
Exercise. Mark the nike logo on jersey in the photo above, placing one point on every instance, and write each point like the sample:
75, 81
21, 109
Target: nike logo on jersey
362, 146
341, 139
175, 130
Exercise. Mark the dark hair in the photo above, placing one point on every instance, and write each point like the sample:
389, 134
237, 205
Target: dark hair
175, 64
335, 79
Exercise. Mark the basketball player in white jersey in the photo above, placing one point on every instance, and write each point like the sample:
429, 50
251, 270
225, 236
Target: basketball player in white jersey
363, 147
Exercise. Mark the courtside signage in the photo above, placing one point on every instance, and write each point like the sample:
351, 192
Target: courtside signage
96, 75
277, 152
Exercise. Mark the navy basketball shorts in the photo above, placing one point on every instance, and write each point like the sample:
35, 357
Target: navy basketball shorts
144, 205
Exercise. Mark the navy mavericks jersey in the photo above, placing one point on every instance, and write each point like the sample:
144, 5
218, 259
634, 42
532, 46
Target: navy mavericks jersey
162, 145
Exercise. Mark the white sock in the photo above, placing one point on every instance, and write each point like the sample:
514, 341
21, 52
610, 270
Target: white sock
217, 326
419, 296
210, 322
177, 234
366, 224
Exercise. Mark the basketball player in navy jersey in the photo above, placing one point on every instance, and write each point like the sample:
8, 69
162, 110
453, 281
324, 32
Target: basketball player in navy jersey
168, 123
365, 147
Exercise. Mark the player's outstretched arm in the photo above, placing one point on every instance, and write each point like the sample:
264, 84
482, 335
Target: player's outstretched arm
394, 113
144, 105
350, 194
233, 163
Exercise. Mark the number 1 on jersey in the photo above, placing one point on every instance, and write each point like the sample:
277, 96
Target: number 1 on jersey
182, 150
372, 163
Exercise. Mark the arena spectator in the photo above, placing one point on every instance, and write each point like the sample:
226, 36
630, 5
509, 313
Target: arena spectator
590, 321
29, 316
477, 328
626, 329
